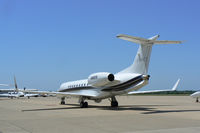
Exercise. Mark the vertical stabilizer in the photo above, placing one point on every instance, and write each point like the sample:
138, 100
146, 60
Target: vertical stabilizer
16, 88
141, 61
142, 58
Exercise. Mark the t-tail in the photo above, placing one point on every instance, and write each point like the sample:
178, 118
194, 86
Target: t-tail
142, 58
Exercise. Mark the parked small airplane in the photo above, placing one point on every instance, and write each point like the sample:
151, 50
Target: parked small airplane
103, 85
196, 95
16, 93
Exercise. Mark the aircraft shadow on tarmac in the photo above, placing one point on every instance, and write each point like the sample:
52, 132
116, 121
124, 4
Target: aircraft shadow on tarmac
120, 108
148, 109
169, 111
3, 99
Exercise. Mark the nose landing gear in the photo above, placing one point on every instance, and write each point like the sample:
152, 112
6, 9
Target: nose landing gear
82, 102
114, 102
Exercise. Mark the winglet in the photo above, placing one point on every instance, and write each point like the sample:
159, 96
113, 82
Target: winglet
175, 85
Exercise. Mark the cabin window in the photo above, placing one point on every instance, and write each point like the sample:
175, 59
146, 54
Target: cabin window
93, 77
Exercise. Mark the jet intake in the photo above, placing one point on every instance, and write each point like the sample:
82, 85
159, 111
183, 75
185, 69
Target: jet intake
111, 77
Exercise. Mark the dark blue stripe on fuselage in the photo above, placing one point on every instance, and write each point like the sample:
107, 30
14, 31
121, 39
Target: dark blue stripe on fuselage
118, 87
125, 85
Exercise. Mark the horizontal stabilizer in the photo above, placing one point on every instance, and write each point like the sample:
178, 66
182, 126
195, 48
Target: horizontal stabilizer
154, 91
134, 39
167, 42
151, 40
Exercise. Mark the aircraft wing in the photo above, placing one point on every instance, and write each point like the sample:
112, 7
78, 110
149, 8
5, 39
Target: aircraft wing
4, 85
86, 93
11, 90
6, 90
151, 91
28, 89
5, 95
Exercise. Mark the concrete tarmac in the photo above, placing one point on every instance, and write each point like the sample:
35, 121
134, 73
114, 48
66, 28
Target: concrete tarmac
135, 114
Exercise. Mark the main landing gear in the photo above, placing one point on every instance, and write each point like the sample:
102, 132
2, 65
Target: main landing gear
62, 102
82, 102
114, 102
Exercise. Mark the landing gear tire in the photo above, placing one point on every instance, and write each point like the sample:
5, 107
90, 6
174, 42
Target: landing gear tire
114, 104
62, 102
83, 104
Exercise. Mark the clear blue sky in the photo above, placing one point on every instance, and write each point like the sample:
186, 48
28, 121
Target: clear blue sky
47, 42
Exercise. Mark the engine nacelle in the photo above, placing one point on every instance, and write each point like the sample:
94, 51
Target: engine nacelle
100, 79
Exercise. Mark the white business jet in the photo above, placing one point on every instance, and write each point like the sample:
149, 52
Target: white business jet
105, 85
196, 95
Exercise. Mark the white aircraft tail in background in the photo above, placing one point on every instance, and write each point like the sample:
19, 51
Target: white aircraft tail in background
103, 85
15, 92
